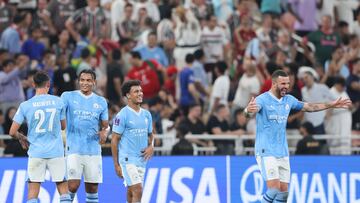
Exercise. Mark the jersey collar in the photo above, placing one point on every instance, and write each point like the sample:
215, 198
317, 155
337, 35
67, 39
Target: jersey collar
131, 109
273, 96
85, 96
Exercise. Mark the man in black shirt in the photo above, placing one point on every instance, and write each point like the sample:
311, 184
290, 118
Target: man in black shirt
308, 145
218, 125
64, 77
194, 124
115, 78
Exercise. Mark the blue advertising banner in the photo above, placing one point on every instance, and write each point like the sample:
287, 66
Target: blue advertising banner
209, 179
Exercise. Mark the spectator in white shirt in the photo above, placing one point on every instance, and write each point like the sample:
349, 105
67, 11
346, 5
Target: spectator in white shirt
220, 91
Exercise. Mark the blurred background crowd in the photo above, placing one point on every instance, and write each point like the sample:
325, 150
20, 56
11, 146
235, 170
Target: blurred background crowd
199, 61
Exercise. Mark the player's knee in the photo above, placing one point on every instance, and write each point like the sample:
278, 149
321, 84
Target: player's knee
281, 197
73, 186
136, 190
270, 195
91, 188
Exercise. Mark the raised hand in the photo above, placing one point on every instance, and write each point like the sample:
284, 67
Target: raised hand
252, 107
341, 103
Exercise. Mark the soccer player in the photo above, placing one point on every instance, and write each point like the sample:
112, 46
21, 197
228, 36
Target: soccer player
45, 116
131, 143
87, 115
271, 148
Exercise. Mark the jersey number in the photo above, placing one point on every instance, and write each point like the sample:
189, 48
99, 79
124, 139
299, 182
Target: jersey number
40, 115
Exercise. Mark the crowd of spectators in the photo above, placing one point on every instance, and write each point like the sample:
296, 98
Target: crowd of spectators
199, 61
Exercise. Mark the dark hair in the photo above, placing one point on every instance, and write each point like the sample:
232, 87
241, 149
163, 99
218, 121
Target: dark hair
126, 87
125, 40
189, 58
340, 80
198, 54
193, 105
40, 79
221, 66
7, 62
343, 24
85, 53
84, 31
88, 71
32, 73
219, 107
148, 21
34, 28
135, 54
3, 51
128, 5
355, 61
46, 52
278, 73
18, 18
152, 33
309, 127
116, 54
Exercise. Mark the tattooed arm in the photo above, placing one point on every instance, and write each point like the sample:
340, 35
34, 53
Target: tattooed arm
339, 103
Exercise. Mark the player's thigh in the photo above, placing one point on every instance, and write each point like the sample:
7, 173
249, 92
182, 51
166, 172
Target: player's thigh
131, 174
36, 169
57, 169
74, 166
268, 167
93, 169
284, 169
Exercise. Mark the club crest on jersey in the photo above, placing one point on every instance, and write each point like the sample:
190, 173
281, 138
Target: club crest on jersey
146, 121
96, 106
287, 107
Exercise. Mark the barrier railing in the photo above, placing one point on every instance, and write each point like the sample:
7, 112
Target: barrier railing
169, 140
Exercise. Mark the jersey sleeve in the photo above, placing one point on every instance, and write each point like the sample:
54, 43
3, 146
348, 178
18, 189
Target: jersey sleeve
119, 123
64, 99
104, 116
259, 103
295, 103
150, 126
62, 110
19, 115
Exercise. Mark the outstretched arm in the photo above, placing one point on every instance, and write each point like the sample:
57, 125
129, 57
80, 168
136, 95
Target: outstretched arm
339, 103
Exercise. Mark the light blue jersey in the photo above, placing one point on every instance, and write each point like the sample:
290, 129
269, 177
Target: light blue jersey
84, 114
134, 128
271, 122
42, 114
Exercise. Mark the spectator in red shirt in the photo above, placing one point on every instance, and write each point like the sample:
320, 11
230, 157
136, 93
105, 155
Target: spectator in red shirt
141, 70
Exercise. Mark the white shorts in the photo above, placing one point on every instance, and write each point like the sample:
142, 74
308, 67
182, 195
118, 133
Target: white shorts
132, 174
88, 165
36, 169
274, 168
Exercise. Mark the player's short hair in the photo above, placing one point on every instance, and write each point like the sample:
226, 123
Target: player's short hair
40, 79
126, 87
221, 66
88, 71
278, 73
